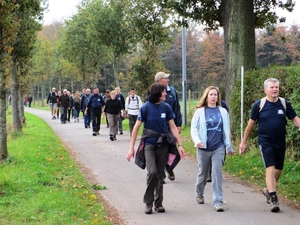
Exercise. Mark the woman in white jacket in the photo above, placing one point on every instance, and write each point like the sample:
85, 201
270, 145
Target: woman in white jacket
210, 131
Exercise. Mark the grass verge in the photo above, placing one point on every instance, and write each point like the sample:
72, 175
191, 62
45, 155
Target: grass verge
41, 184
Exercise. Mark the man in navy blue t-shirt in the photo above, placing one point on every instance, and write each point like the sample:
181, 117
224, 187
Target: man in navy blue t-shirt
271, 119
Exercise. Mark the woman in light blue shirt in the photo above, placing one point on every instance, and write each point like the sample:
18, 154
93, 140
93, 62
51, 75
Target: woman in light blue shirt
210, 131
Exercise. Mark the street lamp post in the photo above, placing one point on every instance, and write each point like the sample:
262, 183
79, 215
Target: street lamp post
184, 119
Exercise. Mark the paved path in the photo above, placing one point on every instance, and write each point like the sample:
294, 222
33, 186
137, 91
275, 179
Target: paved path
126, 183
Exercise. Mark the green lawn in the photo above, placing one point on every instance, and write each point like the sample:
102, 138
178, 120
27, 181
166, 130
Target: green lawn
41, 184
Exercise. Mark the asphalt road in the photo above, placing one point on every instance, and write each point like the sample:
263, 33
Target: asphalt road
126, 184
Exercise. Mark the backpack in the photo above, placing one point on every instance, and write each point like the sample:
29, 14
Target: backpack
137, 100
263, 102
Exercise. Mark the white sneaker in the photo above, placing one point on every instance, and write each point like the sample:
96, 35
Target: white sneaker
219, 208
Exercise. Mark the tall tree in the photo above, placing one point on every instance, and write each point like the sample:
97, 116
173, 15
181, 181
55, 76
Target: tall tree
278, 45
9, 25
238, 18
110, 28
152, 29
83, 49
20, 55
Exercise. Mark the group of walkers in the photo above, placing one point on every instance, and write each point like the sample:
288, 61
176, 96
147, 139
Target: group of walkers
211, 134
93, 105
160, 148
65, 104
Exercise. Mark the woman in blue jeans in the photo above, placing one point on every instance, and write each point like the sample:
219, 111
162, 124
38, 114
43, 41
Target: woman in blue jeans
155, 114
210, 131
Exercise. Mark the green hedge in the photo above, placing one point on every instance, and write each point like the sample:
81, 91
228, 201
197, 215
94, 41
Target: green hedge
289, 78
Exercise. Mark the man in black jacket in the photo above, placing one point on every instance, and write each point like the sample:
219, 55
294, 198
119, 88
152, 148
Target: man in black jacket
64, 103
53, 104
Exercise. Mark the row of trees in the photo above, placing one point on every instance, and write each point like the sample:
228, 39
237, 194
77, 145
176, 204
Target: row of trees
205, 59
127, 38
18, 28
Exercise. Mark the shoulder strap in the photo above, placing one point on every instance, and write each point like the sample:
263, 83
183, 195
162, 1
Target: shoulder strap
137, 99
263, 102
283, 102
146, 112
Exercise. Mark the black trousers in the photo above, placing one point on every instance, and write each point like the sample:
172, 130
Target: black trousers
96, 118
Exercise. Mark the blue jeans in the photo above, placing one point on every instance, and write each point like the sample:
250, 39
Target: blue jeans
76, 113
87, 118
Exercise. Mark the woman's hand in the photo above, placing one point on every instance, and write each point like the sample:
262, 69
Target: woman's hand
130, 154
181, 152
200, 145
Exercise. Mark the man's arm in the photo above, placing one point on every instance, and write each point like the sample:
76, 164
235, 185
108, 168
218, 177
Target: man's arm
48, 99
296, 121
243, 145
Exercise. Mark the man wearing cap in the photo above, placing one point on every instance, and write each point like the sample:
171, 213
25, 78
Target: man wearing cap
53, 103
172, 100
95, 104
64, 103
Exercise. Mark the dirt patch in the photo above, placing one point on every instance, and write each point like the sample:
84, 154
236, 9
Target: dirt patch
112, 213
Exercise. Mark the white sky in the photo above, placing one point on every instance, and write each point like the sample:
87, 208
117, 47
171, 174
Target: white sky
63, 9
59, 10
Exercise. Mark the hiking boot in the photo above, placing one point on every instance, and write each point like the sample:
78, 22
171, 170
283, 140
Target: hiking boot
219, 208
200, 200
274, 203
171, 175
159, 209
111, 137
265, 192
94, 133
148, 208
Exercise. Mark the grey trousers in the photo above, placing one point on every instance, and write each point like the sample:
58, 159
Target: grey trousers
156, 159
216, 158
113, 123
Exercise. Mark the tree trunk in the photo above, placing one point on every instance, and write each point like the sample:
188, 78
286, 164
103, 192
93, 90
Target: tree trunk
22, 96
115, 69
43, 91
3, 131
16, 100
239, 40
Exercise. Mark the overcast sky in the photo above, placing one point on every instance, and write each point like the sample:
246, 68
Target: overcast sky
63, 9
